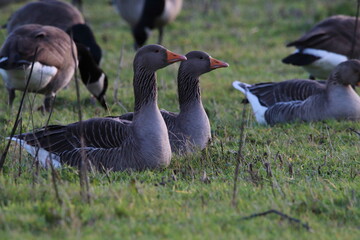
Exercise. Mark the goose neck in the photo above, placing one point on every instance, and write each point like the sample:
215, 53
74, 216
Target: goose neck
144, 87
188, 91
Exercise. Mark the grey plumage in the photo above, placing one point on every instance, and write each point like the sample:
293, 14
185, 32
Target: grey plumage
190, 128
270, 93
337, 100
113, 143
143, 15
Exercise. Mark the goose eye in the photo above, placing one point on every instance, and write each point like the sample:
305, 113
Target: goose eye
157, 51
201, 58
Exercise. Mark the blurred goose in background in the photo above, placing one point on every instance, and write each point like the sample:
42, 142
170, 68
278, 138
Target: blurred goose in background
337, 100
54, 61
77, 3
3, 3
190, 129
109, 143
66, 17
327, 44
145, 15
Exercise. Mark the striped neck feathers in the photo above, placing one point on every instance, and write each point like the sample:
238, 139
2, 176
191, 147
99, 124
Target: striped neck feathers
145, 89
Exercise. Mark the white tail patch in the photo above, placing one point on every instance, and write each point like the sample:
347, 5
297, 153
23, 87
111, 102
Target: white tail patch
237, 85
45, 158
3, 59
258, 109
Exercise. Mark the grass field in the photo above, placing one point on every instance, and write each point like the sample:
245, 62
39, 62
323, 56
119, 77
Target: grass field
309, 171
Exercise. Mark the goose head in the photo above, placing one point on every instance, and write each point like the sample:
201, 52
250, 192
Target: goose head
155, 57
199, 62
347, 73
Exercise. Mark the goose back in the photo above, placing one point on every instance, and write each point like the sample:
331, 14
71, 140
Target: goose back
333, 34
326, 45
55, 13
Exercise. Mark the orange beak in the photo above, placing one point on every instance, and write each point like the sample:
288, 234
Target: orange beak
214, 63
174, 57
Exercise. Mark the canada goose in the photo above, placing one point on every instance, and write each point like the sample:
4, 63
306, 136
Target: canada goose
143, 15
66, 17
190, 128
327, 44
54, 61
114, 144
337, 100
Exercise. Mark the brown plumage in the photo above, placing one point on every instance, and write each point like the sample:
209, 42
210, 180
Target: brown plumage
327, 44
54, 63
68, 18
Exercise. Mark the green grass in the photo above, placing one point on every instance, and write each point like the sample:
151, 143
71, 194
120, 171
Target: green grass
314, 167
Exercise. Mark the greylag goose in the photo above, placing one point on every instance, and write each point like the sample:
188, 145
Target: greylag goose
270, 93
143, 15
114, 144
326, 45
54, 63
189, 129
66, 17
337, 100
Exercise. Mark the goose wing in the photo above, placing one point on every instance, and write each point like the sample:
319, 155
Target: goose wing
290, 90
101, 133
337, 29
168, 116
314, 108
270, 93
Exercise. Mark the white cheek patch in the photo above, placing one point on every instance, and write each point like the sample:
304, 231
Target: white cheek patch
97, 87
